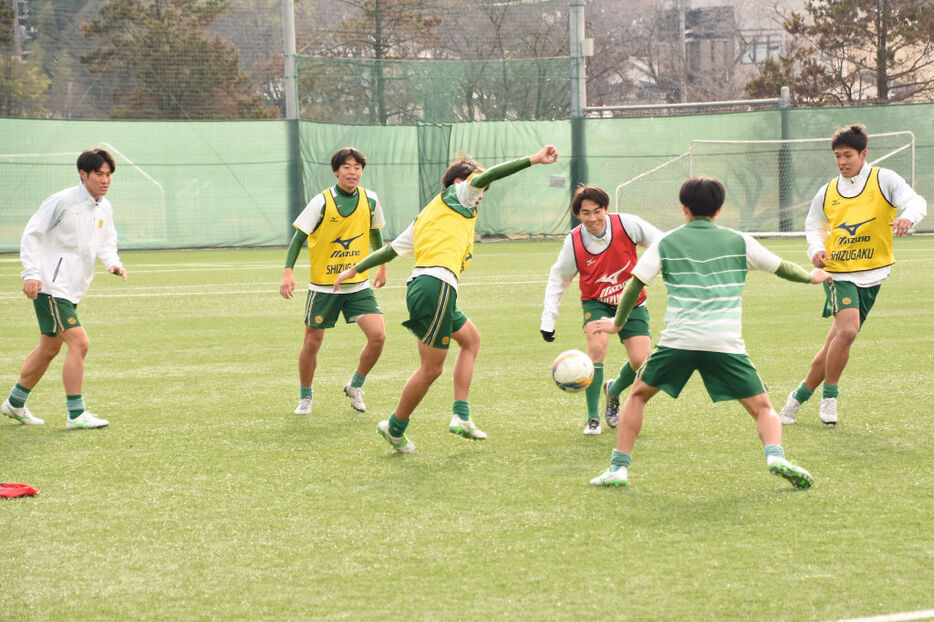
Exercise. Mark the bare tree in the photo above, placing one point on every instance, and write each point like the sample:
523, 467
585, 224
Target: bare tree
363, 83
515, 56
256, 28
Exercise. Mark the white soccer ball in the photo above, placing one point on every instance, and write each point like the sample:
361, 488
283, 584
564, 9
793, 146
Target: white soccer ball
572, 371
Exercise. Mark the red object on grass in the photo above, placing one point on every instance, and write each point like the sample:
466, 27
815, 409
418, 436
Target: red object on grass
11, 490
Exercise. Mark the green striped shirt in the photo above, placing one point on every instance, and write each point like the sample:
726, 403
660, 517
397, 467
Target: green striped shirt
704, 269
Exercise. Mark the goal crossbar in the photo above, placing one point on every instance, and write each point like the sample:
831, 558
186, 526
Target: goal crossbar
764, 186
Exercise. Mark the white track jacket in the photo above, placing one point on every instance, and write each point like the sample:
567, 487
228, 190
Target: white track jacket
63, 238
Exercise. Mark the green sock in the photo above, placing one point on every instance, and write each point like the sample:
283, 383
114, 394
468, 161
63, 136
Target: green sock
75, 405
619, 459
593, 392
357, 380
462, 409
831, 390
18, 395
773, 450
803, 393
304, 392
626, 375
397, 426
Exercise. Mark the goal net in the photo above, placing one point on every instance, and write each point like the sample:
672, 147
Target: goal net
140, 200
769, 183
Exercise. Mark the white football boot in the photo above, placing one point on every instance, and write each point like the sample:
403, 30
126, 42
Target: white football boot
828, 410
22, 414
789, 413
356, 397
86, 421
304, 406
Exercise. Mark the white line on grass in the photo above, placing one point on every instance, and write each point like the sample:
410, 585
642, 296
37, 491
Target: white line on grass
896, 617
265, 290
205, 268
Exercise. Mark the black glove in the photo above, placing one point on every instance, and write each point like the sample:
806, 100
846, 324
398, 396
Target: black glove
548, 335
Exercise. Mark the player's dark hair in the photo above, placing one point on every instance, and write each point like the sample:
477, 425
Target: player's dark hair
594, 193
347, 152
92, 159
702, 195
459, 170
850, 136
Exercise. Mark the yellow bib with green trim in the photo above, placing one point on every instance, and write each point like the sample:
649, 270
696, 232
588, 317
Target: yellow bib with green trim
339, 243
444, 236
860, 237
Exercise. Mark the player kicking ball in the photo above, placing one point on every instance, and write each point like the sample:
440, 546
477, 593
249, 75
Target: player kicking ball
601, 250
704, 269
441, 238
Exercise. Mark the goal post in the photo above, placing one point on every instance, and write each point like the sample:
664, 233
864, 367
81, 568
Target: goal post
769, 183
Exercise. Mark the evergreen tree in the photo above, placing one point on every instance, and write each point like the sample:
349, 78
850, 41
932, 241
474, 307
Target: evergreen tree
22, 84
855, 51
176, 71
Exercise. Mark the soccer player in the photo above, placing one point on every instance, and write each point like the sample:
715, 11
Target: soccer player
849, 232
442, 239
58, 249
602, 249
704, 268
341, 224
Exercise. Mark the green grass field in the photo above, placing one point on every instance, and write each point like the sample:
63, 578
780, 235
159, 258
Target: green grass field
206, 498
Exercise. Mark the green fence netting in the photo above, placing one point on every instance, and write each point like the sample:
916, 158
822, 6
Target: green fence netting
371, 92
177, 184
205, 184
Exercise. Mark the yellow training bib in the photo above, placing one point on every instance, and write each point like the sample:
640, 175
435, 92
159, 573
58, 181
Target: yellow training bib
339, 243
444, 235
860, 237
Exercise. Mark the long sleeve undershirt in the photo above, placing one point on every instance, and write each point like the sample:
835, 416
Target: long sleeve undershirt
381, 256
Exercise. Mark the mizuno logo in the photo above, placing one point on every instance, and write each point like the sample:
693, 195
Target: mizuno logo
613, 277
851, 229
591, 262
346, 243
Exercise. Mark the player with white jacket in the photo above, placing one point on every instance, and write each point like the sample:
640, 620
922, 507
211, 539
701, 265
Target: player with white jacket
58, 249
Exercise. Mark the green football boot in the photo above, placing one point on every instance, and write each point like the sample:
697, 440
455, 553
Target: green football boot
798, 477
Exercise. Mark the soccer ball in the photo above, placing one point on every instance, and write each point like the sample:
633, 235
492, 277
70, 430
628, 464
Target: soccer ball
572, 371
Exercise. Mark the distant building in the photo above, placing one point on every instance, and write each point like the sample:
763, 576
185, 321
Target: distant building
21, 30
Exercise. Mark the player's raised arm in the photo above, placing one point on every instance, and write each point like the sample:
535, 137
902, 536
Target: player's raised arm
546, 155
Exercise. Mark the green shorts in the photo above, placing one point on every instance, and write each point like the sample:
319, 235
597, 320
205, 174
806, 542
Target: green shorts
726, 376
846, 295
637, 324
322, 310
55, 315
433, 312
